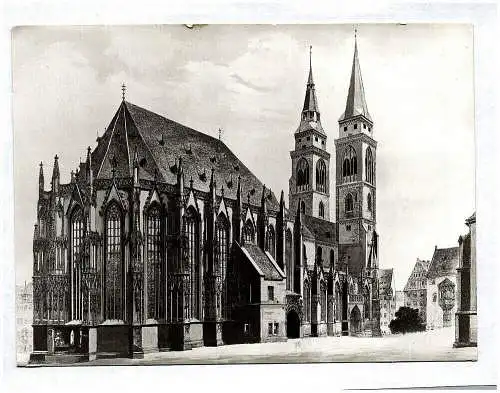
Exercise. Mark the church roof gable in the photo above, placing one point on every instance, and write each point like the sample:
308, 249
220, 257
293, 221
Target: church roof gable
444, 262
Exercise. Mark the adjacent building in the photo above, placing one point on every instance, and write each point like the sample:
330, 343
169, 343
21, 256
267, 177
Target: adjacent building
164, 240
442, 288
466, 315
387, 299
415, 290
24, 319
400, 299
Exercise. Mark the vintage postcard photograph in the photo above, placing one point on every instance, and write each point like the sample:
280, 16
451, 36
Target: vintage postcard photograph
224, 194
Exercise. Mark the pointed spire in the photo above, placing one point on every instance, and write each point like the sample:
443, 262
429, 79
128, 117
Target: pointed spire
135, 165
180, 177
356, 103
263, 204
238, 194
41, 179
310, 80
55, 172
89, 170
282, 200
55, 175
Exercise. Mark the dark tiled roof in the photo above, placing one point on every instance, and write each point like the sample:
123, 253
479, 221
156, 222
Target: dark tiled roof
263, 262
444, 262
160, 143
385, 280
321, 230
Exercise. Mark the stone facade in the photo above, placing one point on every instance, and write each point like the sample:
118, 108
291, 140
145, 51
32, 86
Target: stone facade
164, 240
466, 315
415, 291
442, 288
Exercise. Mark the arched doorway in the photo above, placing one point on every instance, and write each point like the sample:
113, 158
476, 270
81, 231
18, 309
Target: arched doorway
292, 324
355, 320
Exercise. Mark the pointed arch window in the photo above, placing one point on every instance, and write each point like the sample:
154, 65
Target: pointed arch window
369, 166
349, 204
338, 303
349, 165
321, 176
307, 301
321, 210
289, 259
302, 175
153, 255
303, 207
249, 232
222, 244
369, 202
114, 263
271, 241
76, 264
191, 226
323, 300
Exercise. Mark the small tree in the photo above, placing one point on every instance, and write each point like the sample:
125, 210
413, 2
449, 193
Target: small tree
407, 320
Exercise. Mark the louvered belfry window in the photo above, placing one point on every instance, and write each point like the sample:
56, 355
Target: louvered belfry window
114, 264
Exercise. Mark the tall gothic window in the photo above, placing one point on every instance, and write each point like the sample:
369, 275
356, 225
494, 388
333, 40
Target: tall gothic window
271, 241
307, 301
369, 167
192, 234
321, 176
289, 260
153, 255
323, 300
350, 164
302, 207
321, 210
222, 233
332, 259
114, 263
338, 303
76, 249
302, 175
369, 200
349, 204
249, 232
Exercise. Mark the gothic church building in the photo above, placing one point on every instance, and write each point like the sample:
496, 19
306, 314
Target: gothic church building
164, 240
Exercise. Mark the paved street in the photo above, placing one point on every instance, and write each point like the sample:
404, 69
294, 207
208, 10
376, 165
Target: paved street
434, 345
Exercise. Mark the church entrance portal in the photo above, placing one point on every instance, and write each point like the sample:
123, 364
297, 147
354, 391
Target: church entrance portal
355, 320
292, 325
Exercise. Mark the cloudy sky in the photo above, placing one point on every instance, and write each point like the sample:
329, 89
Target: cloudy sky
250, 81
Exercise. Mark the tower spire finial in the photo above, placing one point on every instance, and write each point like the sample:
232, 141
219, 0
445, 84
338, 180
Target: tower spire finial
310, 56
124, 89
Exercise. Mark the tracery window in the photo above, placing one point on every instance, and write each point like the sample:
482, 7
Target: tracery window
302, 175
323, 300
192, 237
338, 303
76, 262
249, 232
289, 260
349, 204
350, 164
369, 167
321, 210
153, 255
271, 241
114, 263
222, 239
321, 176
307, 301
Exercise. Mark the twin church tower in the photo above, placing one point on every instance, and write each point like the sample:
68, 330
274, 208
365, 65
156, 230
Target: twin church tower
355, 148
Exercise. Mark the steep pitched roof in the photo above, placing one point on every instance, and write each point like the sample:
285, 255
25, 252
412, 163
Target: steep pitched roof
159, 143
385, 280
444, 262
264, 265
321, 230
356, 103
420, 267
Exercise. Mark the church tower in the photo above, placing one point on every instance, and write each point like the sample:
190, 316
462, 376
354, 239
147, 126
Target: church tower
310, 180
355, 175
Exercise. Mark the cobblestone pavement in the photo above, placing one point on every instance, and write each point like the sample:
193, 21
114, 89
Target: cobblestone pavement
436, 345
